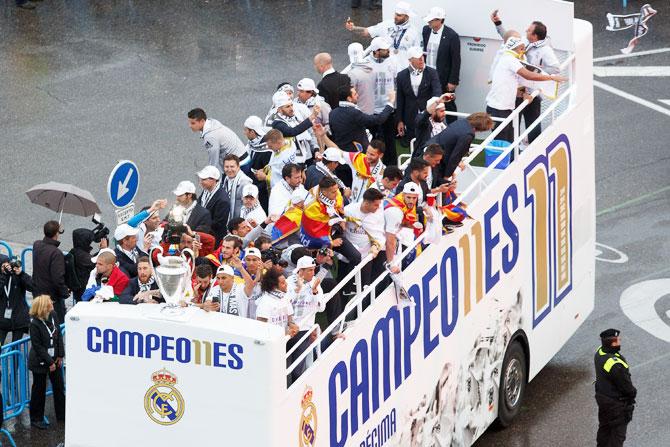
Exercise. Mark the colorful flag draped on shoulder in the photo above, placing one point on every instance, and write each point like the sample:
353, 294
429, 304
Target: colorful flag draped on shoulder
287, 224
409, 214
316, 220
360, 164
455, 213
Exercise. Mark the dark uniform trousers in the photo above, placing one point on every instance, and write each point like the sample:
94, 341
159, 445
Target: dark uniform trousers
615, 396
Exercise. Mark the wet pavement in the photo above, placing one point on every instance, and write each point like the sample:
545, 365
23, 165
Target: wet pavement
86, 83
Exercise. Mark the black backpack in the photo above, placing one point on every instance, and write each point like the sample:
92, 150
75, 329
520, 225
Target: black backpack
71, 278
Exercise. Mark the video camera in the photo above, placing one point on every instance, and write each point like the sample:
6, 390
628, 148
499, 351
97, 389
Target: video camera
274, 255
100, 231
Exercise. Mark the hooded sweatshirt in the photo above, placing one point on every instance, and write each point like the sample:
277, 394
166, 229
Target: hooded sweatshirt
363, 79
220, 141
82, 239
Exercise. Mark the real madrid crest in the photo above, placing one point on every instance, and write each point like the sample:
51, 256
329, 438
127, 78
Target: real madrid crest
307, 434
162, 402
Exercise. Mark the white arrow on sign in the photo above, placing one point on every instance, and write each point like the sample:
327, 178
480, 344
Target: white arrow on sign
123, 186
632, 71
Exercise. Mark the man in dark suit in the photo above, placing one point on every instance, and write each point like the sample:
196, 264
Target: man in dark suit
456, 139
429, 123
348, 124
415, 85
425, 172
144, 287
126, 249
442, 46
195, 216
331, 81
214, 199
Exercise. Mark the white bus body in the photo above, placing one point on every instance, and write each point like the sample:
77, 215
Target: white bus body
519, 273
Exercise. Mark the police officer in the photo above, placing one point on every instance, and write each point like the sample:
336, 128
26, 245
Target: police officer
615, 393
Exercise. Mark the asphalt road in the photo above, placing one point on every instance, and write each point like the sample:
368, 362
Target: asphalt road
88, 82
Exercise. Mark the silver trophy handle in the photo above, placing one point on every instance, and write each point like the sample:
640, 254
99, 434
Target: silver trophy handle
153, 267
189, 265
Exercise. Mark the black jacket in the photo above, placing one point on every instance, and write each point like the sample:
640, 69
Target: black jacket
133, 289
329, 88
408, 104
422, 131
455, 141
348, 124
39, 359
200, 220
17, 286
613, 376
448, 61
126, 264
219, 209
82, 238
49, 269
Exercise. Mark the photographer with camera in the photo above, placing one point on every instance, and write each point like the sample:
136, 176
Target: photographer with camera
49, 268
14, 283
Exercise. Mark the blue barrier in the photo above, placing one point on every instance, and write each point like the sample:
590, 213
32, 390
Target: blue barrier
16, 379
10, 253
23, 256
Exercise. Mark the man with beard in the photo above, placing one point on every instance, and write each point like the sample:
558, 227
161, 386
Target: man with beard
144, 288
430, 122
292, 127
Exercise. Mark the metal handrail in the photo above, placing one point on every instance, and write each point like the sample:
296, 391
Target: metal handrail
353, 303
515, 143
10, 253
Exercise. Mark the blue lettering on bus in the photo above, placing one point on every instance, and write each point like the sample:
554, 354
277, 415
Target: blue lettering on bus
365, 379
163, 347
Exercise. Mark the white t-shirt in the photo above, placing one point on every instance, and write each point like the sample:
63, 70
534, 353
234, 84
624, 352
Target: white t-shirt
403, 40
359, 184
277, 162
280, 198
433, 46
393, 224
275, 309
367, 225
504, 83
256, 214
234, 302
385, 74
305, 303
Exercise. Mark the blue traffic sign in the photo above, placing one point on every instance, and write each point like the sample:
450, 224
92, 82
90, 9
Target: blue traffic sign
123, 183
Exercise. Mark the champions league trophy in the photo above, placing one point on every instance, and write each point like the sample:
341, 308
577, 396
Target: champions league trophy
172, 276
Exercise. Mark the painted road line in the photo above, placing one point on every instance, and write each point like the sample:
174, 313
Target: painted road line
665, 101
635, 99
605, 253
632, 71
625, 56
638, 302
632, 201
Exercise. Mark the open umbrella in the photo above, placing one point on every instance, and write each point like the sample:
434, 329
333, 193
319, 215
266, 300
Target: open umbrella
63, 198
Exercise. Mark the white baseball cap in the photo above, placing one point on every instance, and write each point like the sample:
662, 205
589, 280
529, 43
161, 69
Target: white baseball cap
380, 43
125, 230
432, 101
333, 154
286, 88
414, 52
307, 85
104, 250
256, 124
252, 251
226, 270
184, 187
403, 8
305, 262
280, 99
512, 43
209, 172
435, 13
412, 188
250, 190
355, 51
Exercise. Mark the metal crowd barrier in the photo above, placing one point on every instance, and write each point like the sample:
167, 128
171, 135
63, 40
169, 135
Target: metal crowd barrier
16, 379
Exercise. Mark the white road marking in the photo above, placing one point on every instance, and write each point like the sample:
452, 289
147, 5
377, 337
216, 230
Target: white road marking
638, 302
624, 56
665, 101
635, 99
618, 256
635, 71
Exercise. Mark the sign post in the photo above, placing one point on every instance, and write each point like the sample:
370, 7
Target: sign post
122, 187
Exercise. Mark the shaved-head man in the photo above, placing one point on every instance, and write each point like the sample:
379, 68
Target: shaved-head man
331, 81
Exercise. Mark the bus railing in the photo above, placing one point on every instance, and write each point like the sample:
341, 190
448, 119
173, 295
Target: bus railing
355, 303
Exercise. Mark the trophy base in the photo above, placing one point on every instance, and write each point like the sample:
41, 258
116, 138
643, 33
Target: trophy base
169, 312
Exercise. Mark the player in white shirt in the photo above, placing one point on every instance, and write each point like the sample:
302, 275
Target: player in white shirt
398, 223
231, 297
366, 168
501, 99
280, 195
251, 207
274, 306
283, 152
400, 32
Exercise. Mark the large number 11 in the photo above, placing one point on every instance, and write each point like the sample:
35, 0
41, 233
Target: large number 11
548, 186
